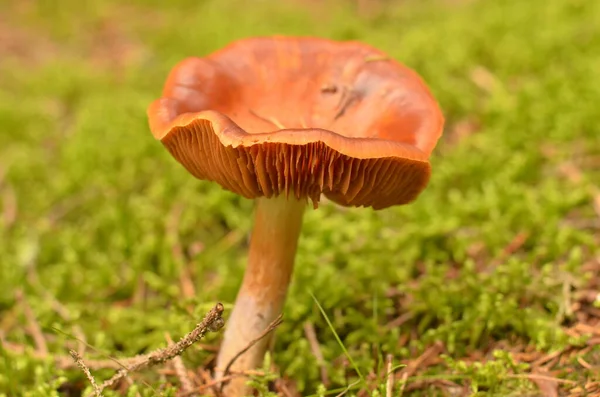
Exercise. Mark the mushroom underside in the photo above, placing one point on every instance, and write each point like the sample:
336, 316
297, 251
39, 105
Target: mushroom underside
270, 169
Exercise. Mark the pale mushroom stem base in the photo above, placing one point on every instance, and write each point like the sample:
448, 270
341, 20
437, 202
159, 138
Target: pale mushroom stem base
273, 244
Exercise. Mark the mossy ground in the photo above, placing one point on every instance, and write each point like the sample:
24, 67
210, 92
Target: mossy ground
486, 285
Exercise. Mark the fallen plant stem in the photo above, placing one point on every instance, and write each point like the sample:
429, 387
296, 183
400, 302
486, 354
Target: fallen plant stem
348, 388
186, 383
34, 327
282, 389
389, 384
79, 362
403, 382
212, 322
274, 324
311, 335
541, 377
211, 383
271, 120
434, 350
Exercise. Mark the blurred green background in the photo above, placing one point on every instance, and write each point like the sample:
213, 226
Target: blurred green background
103, 236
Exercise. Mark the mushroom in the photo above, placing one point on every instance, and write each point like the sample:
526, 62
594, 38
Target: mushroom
284, 120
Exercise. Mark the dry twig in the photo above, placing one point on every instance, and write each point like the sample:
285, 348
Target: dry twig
348, 388
62, 311
86, 371
311, 335
541, 377
282, 388
397, 322
10, 211
187, 386
271, 120
403, 382
32, 324
212, 322
389, 384
212, 383
433, 351
266, 332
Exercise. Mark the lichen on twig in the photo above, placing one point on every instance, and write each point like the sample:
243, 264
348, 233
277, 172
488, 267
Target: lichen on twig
212, 322
79, 361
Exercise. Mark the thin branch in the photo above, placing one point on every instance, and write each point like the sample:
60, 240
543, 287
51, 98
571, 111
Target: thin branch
311, 335
212, 322
281, 388
403, 382
211, 383
10, 212
434, 350
268, 330
549, 357
271, 120
584, 363
60, 309
34, 327
389, 384
187, 386
348, 388
207, 380
541, 377
397, 322
63, 362
63, 312
79, 361
185, 280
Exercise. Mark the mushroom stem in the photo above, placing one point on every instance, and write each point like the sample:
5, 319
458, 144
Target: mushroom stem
273, 244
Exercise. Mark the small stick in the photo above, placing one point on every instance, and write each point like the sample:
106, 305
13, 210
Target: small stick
271, 120
389, 384
282, 388
429, 353
397, 322
185, 280
215, 382
10, 212
329, 89
347, 389
348, 96
79, 361
403, 382
60, 309
303, 123
63, 312
212, 322
268, 330
311, 335
584, 363
63, 362
208, 383
541, 377
34, 327
186, 383
597, 203
541, 361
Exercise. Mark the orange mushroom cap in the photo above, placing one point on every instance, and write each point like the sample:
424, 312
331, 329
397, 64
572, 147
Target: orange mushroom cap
307, 116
